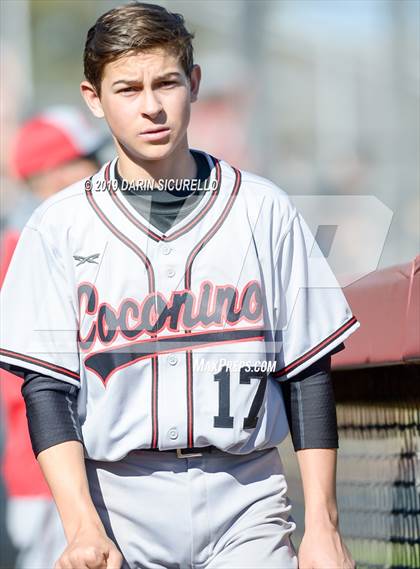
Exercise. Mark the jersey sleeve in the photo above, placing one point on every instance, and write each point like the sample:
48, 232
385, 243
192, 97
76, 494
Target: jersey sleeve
312, 315
38, 318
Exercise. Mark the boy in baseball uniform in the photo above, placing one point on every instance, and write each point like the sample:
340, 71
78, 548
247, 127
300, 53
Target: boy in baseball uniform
172, 324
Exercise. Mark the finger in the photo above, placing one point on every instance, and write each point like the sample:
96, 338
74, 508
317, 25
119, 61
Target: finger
78, 562
95, 565
63, 563
94, 559
114, 560
59, 563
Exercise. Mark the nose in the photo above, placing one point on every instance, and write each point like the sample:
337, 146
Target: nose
150, 104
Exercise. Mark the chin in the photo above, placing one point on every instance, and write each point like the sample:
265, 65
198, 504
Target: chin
156, 152
151, 151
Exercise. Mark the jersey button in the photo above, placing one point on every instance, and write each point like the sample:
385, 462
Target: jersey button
173, 433
173, 360
170, 273
166, 249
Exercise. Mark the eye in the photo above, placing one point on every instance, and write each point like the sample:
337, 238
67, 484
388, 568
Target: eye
168, 83
127, 90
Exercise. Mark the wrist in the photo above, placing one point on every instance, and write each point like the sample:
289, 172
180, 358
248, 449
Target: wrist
84, 527
321, 517
83, 518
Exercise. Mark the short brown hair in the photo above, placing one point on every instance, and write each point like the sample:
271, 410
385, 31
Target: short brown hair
131, 29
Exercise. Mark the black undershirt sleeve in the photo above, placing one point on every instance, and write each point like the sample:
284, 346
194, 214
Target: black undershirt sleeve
51, 410
310, 407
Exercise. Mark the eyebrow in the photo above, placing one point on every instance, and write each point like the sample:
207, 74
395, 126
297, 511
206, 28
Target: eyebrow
157, 78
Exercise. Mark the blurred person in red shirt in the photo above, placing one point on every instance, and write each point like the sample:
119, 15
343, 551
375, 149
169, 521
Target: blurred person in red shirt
50, 151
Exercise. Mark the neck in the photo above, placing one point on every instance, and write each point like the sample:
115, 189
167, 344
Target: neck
178, 165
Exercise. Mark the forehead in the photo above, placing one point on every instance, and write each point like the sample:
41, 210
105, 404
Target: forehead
143, 65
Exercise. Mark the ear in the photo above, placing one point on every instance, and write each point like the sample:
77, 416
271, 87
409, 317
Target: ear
195, 82
92, 99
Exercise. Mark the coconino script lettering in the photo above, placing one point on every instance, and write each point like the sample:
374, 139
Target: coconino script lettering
214, 307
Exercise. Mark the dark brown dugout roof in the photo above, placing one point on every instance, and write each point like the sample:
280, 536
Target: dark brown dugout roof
387, 305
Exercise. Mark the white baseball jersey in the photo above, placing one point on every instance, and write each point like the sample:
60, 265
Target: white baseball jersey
178, 339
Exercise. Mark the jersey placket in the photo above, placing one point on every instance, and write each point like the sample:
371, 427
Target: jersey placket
172, 400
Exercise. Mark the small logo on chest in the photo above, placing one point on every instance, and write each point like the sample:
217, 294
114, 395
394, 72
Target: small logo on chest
89, 259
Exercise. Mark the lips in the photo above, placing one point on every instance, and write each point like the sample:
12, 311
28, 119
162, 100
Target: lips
157, 134
155, 130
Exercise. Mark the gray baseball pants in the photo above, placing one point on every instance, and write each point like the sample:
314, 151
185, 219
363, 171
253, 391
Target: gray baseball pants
217, 511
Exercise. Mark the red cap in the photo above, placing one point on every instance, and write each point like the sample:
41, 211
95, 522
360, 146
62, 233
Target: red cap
52, 138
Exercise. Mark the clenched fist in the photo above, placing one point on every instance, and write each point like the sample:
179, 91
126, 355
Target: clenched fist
90, 549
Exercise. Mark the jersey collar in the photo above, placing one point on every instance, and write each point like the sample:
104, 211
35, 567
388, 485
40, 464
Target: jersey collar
178, 228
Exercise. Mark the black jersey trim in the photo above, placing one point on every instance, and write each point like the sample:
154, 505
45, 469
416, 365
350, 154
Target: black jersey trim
190, 398
302, 359
193, 222
184, 229
203, 242
155, 402
22, 358
149, 232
